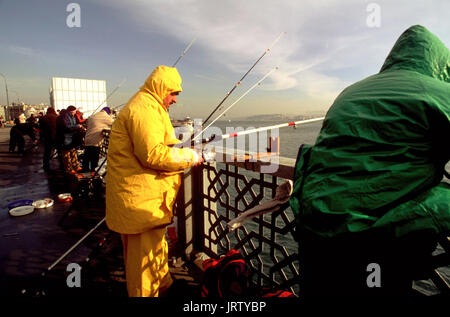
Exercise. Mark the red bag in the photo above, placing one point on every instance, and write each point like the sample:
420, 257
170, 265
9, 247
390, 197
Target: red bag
227, 276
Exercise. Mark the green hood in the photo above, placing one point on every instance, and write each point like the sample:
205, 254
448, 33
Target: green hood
380, 155
420, 51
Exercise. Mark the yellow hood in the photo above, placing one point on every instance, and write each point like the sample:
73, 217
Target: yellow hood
163, 81
143, 165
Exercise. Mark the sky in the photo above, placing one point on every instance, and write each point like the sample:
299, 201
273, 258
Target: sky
327, 46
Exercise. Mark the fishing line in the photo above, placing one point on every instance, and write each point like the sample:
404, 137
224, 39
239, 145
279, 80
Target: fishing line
245, 75
176, 62
251, 88
115, 89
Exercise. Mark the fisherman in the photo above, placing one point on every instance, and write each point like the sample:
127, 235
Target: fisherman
368, 196
143, 179
67, 129
17, 133
32, 119
78, 137
79, 116
94, 137
47, 127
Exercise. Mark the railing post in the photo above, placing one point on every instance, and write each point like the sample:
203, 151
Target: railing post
197, 208
184, 214
193, 225
192, 221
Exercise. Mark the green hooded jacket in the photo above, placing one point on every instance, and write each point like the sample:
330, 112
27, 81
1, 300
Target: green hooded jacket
379, 160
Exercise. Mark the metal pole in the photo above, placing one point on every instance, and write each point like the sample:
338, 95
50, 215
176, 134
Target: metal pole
6, 88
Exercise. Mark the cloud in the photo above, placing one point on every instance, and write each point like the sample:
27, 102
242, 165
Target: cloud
324, 88
240, 31
26, 51
324, 37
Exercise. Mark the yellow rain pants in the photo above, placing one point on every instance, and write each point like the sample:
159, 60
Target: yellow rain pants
146, 263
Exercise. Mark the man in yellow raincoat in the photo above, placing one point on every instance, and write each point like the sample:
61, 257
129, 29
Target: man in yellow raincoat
143, 179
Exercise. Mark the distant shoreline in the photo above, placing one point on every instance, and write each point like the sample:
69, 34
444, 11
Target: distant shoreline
271, 117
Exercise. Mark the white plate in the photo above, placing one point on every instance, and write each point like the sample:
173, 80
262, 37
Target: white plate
43, 203
64, 196
21, 211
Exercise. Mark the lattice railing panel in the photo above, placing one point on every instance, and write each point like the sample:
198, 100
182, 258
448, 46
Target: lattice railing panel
267, 242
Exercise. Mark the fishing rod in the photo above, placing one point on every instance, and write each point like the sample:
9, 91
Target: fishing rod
176, 62
118, 106
251, 88
73, 247
245, 75
216, 138
41, 291
184, 52
115, 89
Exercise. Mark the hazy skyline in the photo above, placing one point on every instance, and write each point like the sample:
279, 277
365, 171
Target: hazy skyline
328, 45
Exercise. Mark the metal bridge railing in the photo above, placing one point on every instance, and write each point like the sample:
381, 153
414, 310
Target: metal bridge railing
213, 194
216, 193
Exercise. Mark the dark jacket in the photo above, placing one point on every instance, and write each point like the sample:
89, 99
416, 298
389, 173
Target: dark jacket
47, 125
25, 129
66, 129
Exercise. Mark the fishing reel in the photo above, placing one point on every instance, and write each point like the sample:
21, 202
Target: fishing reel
208, 152
203, 141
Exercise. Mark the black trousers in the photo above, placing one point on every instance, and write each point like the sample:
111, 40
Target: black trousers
91, 157
16, 139
362, 264
48, 148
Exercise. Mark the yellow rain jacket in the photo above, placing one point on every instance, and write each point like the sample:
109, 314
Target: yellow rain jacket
143, 168
142, 182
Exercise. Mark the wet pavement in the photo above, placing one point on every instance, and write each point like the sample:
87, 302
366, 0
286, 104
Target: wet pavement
30, 244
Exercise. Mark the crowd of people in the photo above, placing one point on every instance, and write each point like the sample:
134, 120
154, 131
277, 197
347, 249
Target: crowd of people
64, 132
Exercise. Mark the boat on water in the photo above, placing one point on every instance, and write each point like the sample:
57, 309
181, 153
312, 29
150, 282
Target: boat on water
185, 121
183, 128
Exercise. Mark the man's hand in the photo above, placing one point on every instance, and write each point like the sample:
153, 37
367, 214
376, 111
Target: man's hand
199, 162
198, 159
